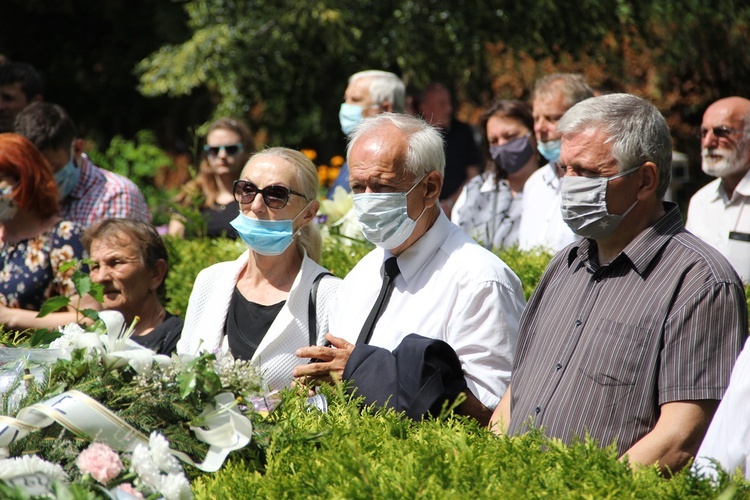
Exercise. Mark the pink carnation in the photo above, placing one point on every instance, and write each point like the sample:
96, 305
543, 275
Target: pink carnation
100, 461
130, 490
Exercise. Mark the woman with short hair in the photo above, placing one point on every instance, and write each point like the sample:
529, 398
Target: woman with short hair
130, 261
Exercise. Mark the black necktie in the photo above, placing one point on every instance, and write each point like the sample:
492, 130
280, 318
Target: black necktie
390, 271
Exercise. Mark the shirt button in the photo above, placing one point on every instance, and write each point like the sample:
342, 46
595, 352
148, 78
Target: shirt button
578, 322
558, 366
537, 409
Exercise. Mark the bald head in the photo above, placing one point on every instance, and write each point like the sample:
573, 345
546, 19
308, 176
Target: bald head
734, 109
725, 140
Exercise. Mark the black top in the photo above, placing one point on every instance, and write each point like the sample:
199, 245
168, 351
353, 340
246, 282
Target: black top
247, 324
461, 150
162, 339
218, 219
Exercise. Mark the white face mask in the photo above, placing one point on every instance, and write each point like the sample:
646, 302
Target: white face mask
584, 205
8, 207
384, 218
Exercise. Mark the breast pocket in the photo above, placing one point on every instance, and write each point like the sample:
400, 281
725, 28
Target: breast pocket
615, 354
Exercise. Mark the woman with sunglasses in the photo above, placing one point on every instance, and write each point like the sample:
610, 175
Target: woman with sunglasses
257, 307
228, 146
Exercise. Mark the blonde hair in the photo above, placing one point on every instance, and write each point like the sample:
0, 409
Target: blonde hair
204, 182
309, 237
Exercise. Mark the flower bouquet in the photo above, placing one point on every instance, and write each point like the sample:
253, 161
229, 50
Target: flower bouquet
337, 218
98, 386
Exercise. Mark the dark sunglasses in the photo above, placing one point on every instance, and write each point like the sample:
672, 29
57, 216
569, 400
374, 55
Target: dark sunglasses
273, 196
230, 150
719, 132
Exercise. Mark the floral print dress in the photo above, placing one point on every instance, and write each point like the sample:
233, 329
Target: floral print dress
30, 271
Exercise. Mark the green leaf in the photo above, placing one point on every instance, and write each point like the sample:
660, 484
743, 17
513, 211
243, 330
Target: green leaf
188, 381
211, 382
43, 337
53, 304
82, 283
67, 265
90, 314
97, 291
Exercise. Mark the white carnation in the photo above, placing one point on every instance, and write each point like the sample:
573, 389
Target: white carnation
70, 334
145, 468
160, 454
30, 464
175, 487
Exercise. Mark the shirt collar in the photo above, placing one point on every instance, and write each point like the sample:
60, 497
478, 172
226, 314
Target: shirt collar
421, 252
644, 248
549, 175
743, 187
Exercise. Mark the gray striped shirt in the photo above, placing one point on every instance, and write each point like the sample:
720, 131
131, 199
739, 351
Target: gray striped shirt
602, 347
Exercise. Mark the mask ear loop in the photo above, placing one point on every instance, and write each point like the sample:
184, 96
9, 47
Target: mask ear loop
294, 235
412, 189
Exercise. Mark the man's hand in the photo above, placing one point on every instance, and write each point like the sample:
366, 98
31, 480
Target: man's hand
329, 362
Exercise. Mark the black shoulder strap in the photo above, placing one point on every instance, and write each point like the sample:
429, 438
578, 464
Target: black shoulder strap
312, 311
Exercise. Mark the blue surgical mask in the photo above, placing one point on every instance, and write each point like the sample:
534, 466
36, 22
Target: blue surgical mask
67, 178
513, 155
384, 218
265, 237
350, 115
550, 150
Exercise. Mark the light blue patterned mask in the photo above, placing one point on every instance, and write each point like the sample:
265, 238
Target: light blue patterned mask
67, 178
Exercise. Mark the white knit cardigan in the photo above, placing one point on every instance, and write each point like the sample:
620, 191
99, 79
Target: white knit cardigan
207, 313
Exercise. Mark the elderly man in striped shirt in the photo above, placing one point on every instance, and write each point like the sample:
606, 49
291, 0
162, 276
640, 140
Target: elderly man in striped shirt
632, 332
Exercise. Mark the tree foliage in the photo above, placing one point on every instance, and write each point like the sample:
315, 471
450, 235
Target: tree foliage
284, 64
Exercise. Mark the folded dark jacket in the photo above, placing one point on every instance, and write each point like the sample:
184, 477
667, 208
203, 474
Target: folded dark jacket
416, 378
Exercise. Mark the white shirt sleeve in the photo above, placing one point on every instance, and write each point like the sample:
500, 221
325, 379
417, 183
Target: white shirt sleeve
728, 438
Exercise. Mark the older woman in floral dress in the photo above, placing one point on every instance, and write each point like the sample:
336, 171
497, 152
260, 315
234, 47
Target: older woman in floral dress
34, 241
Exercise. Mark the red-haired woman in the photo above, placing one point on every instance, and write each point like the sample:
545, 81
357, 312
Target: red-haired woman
34, 240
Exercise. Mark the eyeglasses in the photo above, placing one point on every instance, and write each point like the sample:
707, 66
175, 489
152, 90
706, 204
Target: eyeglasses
229, 150
719, 132
275, 197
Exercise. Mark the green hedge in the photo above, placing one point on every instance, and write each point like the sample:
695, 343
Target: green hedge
351, 454
189, 257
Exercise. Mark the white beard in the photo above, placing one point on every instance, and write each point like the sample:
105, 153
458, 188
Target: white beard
730, 161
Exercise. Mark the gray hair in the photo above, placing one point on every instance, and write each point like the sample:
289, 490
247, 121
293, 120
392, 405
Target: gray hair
424, 152
384, 86
636, 129
306, 172
571, 85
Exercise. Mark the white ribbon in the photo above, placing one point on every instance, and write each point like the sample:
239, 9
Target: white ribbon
227, 429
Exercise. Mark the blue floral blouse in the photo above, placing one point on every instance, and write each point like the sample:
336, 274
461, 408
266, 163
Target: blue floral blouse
30, 269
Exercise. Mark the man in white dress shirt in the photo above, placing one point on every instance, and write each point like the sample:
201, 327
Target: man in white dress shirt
449, 287
541, 222
719, 212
